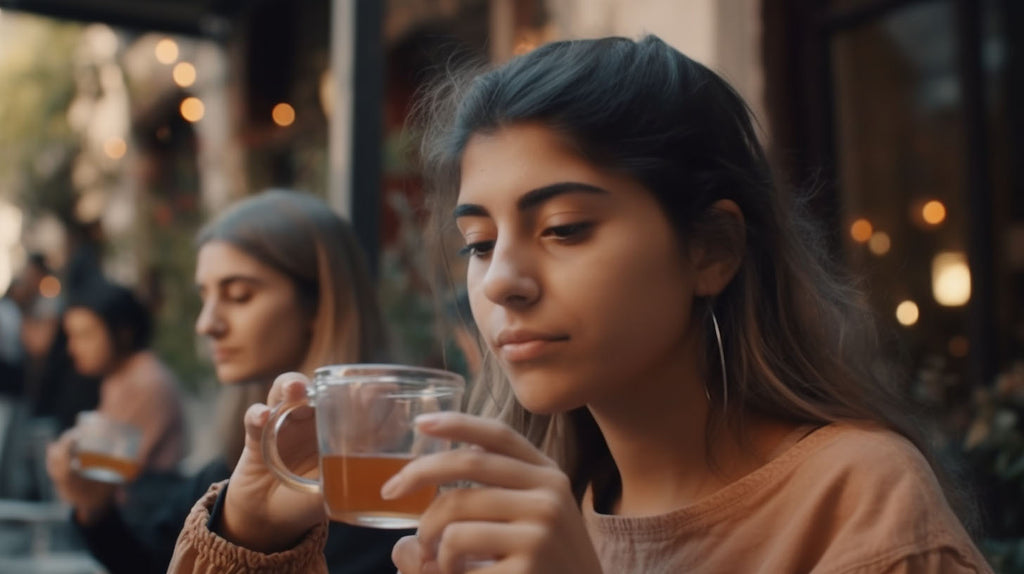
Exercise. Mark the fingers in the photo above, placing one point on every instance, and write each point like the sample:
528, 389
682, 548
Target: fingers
492, 435
468, 545
490, 505
469, 464
406, 555
254, 420
288, 387
58, 456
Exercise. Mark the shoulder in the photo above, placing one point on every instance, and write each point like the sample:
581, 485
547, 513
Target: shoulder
864, 453
874, 498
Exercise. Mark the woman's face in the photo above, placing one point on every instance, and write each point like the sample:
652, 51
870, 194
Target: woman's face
251, 315
89, 342
576, 277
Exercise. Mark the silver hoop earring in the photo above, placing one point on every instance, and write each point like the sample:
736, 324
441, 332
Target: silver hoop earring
721, 358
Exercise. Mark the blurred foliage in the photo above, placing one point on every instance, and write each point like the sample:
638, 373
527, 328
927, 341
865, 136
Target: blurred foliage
37, 83
994, 447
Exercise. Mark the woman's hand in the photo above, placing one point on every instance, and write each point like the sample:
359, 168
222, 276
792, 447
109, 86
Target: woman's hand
261, 512
91, 499
522, 517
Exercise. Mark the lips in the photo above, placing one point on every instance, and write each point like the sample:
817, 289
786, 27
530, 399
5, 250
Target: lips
523, 345
221, 355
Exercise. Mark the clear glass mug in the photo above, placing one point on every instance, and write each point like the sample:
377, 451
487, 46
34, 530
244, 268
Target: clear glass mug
105, 450
365, 434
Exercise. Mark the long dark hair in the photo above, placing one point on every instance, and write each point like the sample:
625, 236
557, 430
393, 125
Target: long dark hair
799, 340
128, 322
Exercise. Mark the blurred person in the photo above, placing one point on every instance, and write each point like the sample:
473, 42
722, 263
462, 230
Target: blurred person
109, 331
49, 393
677, 380
284, 287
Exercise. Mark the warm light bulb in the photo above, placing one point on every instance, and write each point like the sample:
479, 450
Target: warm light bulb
115, 148
283, 114
951, 279
861, 230
959, 346
880, 243
192, 109
184, 74
166, 51
933, 212
907, 313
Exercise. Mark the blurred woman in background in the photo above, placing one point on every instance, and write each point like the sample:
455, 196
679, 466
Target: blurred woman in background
284, 288
108, 332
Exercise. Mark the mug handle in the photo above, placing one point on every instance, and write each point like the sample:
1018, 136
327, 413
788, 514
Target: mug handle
268, 442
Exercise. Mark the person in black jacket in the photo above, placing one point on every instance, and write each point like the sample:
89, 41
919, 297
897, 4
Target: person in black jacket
284, 288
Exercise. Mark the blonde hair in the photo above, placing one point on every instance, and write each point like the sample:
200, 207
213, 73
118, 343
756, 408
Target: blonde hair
300, 236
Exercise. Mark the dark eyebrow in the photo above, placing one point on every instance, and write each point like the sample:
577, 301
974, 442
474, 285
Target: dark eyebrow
532, 198
226, 281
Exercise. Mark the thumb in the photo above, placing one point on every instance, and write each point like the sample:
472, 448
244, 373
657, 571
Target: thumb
255, 420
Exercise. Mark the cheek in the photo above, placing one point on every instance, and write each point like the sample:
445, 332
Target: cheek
276, 338
636, 307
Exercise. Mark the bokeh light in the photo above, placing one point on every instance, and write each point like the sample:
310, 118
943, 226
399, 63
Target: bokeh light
880, 243
184, 74
192, 109
907, 313
283, 114
951, 279
115, 148
933, 212
166, 51
861, 230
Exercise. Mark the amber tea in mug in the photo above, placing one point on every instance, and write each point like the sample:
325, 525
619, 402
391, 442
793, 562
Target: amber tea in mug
365, 434
105, 450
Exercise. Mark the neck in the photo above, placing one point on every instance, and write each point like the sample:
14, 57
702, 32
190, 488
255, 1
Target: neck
123, 365
657, 435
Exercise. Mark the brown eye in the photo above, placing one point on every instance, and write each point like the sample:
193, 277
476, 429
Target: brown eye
569, 232
477, 249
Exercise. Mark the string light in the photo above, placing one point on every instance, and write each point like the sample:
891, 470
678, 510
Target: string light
184, 74
166, 51
192, 109
907, 313
115, 148
283, 114
880, 243
959, 346
933, 212
861, 230
951, 279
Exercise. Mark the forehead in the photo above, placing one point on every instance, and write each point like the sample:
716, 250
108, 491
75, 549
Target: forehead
82, 318
520, 157
219, 259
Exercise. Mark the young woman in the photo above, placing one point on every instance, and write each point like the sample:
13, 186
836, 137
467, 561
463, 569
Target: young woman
676, 381
108, 331
284, 288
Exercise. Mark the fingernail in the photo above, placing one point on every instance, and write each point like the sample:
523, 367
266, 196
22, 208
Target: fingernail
390, 488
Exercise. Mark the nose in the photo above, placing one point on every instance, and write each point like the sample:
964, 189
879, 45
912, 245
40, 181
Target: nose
209, 322
510, 280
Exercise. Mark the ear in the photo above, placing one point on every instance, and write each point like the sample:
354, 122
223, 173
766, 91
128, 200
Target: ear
718, 247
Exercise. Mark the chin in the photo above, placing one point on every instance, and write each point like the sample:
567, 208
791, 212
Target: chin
228, 376
537, 395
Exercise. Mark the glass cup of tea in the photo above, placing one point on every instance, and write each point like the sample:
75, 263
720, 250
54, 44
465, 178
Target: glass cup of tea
105, 450
365, 434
